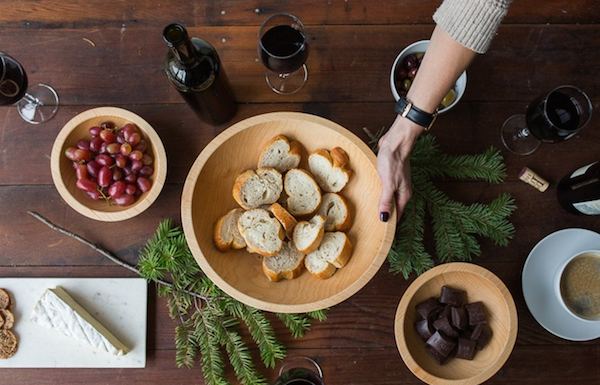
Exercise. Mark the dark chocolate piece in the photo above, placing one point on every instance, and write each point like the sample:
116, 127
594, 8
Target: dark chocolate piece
452, 297
424, 329
442, 344
429, 308
481, 335
466, 349
442, 324
446, 311
459, 318
436, 355
476, 313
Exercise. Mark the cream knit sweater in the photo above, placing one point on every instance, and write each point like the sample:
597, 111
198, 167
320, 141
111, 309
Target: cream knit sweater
472, 23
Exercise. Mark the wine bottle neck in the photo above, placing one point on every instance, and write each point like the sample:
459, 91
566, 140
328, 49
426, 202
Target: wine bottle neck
177, 39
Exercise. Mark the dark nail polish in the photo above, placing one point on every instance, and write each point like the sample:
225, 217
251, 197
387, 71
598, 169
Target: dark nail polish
383, 217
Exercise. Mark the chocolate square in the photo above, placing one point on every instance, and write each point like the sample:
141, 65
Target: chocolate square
452, 297
476, 313
460, 320
466, 349
442, 324
429, 308
424, 328
442, 344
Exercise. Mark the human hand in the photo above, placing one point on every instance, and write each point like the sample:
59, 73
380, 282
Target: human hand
393, 166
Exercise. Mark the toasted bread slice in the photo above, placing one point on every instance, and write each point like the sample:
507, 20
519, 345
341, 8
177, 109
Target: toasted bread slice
287, 220
335, 248
226, 233
308, 235
318, 267
281, 154
263, 234
330, 169
304, 194
335, 209
255, 188
285, 265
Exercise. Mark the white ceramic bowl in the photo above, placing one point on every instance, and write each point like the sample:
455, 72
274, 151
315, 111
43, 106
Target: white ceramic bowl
421, 47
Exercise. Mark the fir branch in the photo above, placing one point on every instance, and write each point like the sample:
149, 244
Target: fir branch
208, 343
319, 315
186, 348
296, 323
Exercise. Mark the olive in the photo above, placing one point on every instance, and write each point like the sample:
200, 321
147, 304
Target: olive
413, 72
401, 74
449, 98
406, 84
410, 62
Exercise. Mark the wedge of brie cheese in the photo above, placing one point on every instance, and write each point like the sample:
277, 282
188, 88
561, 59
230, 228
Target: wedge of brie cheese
59, 312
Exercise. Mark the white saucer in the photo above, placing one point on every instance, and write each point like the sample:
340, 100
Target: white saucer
538, 279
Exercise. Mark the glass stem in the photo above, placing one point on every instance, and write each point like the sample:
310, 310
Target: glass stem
522, 133
32, 99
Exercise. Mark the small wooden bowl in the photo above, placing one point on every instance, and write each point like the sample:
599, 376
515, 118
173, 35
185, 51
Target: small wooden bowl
207, 195
63, 173
480, 285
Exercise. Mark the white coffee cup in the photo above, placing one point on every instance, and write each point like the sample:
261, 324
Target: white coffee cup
577, 285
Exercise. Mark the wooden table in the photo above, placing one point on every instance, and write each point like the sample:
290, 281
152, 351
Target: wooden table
98, 53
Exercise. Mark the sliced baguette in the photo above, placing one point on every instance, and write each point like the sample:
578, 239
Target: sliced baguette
285, 265
287, 220
330, 169
255, 188
226, 233
304, 194
308, 234
263, 234
335, 248
335, 209
280, 154
318, 267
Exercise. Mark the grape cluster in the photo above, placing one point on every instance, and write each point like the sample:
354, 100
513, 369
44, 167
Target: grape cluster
406, 72
113, 164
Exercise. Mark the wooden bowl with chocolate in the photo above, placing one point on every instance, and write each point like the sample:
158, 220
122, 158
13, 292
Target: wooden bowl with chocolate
456, 324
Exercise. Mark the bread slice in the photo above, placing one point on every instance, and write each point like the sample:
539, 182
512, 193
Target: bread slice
254, 188
304, 194
287, 220
281, 154
263, 234
329, 169
318, 267
335, 248
226, 233
308, 235
285, 265
334, 208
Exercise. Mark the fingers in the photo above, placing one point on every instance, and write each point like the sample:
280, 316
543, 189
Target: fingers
386, 202
402, 197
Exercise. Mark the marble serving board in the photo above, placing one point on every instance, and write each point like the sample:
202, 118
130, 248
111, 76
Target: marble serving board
120, 304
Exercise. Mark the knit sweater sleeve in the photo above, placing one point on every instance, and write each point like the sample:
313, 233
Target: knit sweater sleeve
472, 23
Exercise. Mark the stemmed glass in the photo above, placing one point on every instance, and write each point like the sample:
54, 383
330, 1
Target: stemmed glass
550, 118
283, 49
300, 370
36, 104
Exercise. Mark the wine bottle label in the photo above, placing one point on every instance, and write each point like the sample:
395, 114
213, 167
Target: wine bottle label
588, 208
533, 179
582, 170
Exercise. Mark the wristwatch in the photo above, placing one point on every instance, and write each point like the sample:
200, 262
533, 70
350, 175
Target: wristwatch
406, 109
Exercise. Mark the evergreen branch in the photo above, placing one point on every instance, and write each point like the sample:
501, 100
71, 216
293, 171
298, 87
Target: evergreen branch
186, 349
319, 315
296, 323
261, 330
208, 342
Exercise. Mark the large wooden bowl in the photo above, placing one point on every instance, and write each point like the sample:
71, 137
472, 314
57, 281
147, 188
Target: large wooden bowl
207, 195
480, 285
63, 173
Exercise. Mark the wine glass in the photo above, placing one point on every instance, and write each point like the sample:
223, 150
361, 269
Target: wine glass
551, 118
36, 104
283, 49
300, 370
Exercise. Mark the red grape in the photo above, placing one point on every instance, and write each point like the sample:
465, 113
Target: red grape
147, 160
130, 189
107, 125
124, 200
117, 189
95, 194
143, 184
126, 149
136, 155
146, 171
104, 160
86, 184
108, 136
134, 139
95, 131
130, 178
93, 168
136, 166
113, 148
83, 144
70, 153
121, 161
95, 144
84, 155
142, 145
117, 173
104, 176
81, 172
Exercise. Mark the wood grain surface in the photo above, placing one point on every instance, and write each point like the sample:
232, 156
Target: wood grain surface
110, 53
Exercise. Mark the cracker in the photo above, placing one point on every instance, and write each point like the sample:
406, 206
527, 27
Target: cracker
4, 299
8, 344
9, 318
1, 321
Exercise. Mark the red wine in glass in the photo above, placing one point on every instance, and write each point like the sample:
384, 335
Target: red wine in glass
550, 118
283, 49
36, 104
300, 370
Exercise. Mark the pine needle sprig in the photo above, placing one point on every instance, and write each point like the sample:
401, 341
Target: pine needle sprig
209, 318
454, 224
297, 323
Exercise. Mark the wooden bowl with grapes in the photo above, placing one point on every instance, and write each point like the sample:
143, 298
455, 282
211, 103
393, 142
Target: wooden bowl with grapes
108, 164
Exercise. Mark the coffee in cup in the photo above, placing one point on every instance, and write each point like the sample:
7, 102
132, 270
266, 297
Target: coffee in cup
579, 285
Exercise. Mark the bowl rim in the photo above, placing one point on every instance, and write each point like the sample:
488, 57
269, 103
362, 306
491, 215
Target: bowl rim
159, 153
403, 307
460, 82
188, 227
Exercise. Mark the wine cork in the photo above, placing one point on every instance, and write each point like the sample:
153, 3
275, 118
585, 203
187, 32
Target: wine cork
533, 179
